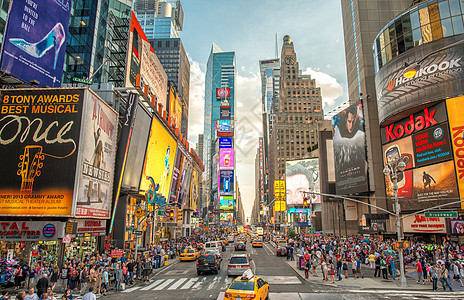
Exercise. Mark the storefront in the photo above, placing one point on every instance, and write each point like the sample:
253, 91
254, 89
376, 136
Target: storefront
425, 229
84, 237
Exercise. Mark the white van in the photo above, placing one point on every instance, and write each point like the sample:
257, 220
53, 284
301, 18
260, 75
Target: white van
215, 245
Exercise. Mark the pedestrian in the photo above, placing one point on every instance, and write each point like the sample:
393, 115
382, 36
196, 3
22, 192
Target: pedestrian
377, 267
31, 295
90, 295
339, 269
383, 268
456, 274
358, 268
130, 271
291, 253
325, 270
345, 268
354, 267
4, 296
64, 274
118, 276
84, 277
105, 278
372, 261
434, 273
42, 285
419, 272
50, 296
444, 278
393, 268
306, 268
146, 270
54, 277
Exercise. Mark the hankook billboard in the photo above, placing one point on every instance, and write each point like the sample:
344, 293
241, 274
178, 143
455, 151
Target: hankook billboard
439, 76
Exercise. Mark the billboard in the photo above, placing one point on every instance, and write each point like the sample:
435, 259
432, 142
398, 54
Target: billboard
438, 77
175, 108
226, 158
144, 70
421, 224
222, 93
35, 40
159, 161
226, 182
455, 108
302, 176
457, 226
225, 112
225, 126
349, 146
176, 176
97, 153
226, 202
225, 142
39, 140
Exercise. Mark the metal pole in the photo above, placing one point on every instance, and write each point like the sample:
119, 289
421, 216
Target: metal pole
403, 282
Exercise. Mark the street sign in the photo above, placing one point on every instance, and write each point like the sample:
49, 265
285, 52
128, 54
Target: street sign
167, 212
138, 233
440, 214
130, 228
139, 213
311, 230
160, 212
82, 80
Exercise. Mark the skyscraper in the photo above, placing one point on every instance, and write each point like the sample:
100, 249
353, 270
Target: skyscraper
219, 92
160, 19
362, 20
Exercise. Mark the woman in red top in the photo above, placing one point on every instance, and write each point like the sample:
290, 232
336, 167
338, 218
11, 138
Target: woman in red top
306, 258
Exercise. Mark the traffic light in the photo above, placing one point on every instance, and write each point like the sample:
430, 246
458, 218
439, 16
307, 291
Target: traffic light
171, 215
305, 202
179, 215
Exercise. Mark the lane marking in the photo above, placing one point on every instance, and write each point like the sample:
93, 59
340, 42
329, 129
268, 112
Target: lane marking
131, 289
149, 287
189, 283
163, 285
177, 283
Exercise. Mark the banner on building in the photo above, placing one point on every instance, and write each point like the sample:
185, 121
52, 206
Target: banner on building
35, 40
226, 158
302, 176
421, 224
226, 182
222, 94
175, 107
225, 142
31, 230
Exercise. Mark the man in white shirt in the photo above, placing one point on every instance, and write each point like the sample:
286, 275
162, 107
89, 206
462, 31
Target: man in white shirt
90, 295
31, 295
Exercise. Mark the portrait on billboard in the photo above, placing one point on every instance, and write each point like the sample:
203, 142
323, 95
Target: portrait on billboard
349, 148
457, 227
435, 181
97, 153
302, 176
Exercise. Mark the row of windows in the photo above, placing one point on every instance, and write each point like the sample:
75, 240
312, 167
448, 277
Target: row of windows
422, 24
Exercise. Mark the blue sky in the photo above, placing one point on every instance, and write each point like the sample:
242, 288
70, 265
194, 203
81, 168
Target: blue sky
248, 27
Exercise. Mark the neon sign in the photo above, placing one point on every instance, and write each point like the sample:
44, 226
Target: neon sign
152, 194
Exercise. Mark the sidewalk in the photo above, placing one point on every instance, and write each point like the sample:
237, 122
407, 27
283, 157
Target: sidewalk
369, 282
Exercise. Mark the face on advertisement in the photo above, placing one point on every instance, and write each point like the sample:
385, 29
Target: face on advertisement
350, 120
296, 186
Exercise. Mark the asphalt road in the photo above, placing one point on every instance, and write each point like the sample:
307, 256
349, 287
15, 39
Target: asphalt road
180, 281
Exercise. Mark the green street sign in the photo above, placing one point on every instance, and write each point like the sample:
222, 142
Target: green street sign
439, 214
311, 230
160, 212
131, 228
82, 80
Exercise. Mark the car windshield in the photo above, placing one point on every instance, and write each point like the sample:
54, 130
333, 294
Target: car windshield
207, 258
191, 251
242, 285
238, 260
240, 244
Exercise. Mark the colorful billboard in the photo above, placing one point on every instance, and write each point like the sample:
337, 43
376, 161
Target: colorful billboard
225, 142
455, 107
159, 161
302, 176
222, 93
225, 126
35, 40
226, 182
226, 158
97, 153
175, 108
457, 226
226, 202
349, 146
225, 112
39, 140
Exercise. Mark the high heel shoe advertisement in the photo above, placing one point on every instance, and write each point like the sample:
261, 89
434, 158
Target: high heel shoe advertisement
35, 40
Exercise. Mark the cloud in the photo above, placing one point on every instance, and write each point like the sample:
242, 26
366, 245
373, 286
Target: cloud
330, 88
197, 100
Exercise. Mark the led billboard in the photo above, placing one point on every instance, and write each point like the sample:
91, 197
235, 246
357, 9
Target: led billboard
302, 176
226, 202
225, 112
175, 108
225, 142
349, 146
39, 140
226, 182
226, 158
35, 40
159, 161
222, 93
97, 153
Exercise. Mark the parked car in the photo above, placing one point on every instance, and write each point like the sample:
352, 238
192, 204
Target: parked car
208, 263
240, 246
238, 264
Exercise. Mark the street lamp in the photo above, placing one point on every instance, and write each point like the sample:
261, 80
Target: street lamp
393, 169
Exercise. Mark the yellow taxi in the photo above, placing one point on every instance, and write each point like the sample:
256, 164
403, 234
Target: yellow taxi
257, 243
224, 241
247, 286
189, 255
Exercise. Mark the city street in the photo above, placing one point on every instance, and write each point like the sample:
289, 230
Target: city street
180, 281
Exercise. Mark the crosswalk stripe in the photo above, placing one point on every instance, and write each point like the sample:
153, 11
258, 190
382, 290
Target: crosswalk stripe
177, 283
149, 287
189, 283
131, 289
163, 285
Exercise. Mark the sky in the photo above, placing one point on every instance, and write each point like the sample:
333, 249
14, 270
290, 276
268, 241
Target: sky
248, 27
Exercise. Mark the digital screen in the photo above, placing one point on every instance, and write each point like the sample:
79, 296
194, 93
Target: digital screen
226, 182
225, 142
225, 112
226, 158
222, 93
432, 145
302, 176
226, 202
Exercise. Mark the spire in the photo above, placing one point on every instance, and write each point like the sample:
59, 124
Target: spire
215, 48
276, 50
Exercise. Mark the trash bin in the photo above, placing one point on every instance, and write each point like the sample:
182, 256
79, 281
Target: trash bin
166, 259
157, 261
300, 262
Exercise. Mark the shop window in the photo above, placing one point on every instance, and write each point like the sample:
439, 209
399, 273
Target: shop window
454, 7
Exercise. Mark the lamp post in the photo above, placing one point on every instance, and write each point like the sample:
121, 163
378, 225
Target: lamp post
394, 169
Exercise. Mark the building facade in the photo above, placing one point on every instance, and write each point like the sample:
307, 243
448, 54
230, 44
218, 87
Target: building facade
160, 19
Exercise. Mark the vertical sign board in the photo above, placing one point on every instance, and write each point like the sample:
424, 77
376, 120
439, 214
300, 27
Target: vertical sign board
39, 142
97, 154
35, 40
455, 108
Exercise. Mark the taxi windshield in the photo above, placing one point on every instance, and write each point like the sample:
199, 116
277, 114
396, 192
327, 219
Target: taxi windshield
191, 251
243, 285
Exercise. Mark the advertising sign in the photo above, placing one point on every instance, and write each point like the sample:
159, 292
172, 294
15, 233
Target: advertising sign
226, 202
225, 142
97, 153
159, 160
439, 76
176, 176
457, 226
91, 227
226, 217
31, 230
144, 69
302, 176
39, 140
226, 180
455, 107
35, 40
222, 93
226, 158
225, 126
175, 108
421, 224
116, 253
225, 112
432, 145
349, 146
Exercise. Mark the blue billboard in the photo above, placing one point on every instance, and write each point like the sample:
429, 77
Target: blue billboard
35, 40
225, 142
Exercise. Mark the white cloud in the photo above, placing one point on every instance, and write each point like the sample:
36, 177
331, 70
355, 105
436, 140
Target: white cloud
197, 100
330, 88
